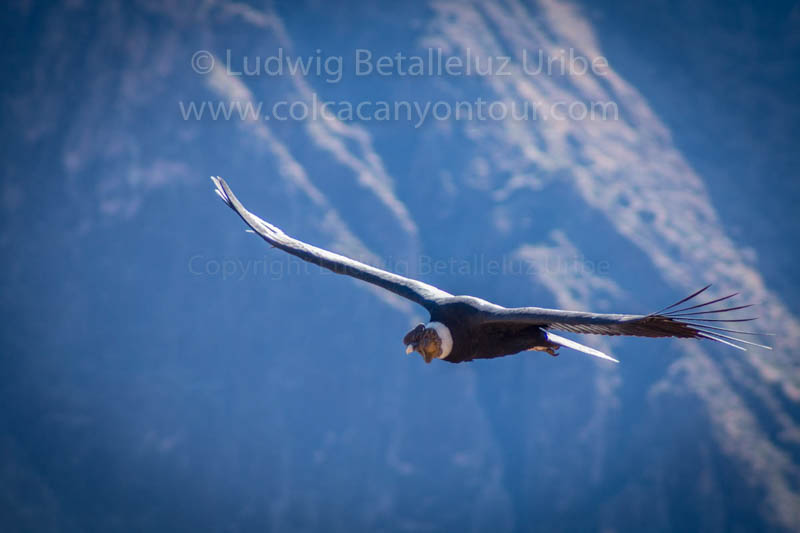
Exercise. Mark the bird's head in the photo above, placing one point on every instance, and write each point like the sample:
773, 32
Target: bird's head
432, 341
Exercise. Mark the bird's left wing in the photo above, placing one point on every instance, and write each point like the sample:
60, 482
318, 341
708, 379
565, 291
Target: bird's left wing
426, 295
694, 321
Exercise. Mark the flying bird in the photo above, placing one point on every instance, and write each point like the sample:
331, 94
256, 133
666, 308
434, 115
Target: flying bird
463, 328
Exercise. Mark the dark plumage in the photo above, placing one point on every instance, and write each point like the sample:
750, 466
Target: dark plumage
462, 328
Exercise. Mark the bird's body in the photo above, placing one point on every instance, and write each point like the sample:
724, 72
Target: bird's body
464, 328
475, 337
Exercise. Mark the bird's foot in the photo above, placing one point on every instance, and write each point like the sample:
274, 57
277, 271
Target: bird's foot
552, 349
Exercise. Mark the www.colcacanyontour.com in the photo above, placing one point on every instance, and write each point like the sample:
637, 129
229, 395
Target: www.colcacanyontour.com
433, 63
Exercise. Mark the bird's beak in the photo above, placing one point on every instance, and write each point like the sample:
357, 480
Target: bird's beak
409, 349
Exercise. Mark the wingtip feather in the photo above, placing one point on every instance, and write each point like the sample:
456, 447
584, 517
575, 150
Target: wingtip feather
679, 302
716, 339
219, 188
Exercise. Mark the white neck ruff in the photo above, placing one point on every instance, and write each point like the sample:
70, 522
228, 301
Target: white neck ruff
444, 335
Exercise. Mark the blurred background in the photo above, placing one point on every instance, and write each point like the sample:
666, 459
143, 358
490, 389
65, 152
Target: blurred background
161, 369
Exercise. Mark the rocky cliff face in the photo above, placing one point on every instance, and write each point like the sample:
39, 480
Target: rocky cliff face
161, 366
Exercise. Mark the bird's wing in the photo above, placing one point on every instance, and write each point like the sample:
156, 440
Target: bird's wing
677, 320
569, 343
416, 291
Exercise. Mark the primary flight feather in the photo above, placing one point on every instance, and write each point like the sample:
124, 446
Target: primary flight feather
463, 328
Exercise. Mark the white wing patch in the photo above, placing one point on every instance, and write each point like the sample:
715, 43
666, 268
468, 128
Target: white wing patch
567, 343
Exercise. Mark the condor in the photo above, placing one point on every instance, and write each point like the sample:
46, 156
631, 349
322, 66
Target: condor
463, 328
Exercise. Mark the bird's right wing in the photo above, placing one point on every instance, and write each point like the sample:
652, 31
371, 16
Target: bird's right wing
426, 295
569, 343
673, 321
